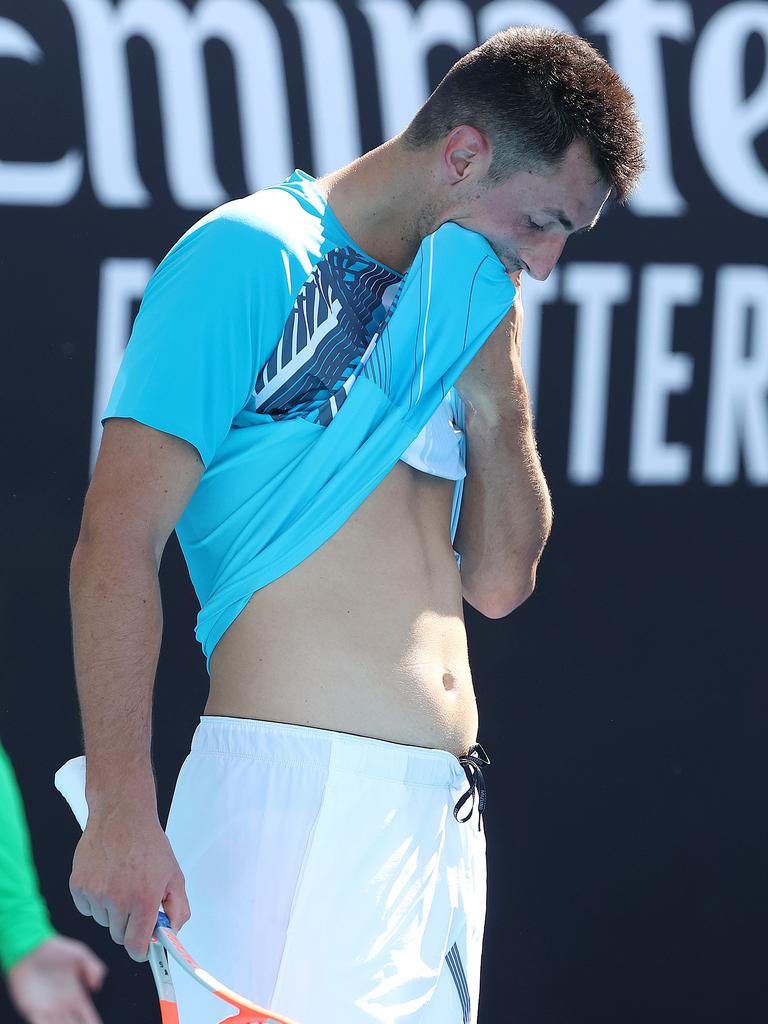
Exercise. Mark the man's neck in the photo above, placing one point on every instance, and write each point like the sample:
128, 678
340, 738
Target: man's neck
382, 203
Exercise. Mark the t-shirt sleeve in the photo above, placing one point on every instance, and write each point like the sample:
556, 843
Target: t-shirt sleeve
196, 344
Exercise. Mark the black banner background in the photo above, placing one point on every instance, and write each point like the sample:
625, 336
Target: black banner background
624, 705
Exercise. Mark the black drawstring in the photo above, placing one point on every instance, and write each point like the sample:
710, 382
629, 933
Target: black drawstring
471, 762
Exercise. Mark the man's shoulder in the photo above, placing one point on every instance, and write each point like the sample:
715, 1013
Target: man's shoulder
257, 221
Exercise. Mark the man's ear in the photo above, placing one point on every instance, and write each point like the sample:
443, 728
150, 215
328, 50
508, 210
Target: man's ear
467, 149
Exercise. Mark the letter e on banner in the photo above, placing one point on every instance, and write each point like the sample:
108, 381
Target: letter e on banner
634, 29
725, 121
39, 184
595, 288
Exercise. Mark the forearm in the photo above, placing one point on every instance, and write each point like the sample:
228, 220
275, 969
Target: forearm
506, 511
117, 624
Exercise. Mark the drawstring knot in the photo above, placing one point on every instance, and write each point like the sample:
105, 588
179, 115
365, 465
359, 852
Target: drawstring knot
471, 762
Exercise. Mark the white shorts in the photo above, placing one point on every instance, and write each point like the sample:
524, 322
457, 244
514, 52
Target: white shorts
327, 876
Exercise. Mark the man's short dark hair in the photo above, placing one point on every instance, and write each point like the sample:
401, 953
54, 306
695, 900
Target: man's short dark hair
534, 91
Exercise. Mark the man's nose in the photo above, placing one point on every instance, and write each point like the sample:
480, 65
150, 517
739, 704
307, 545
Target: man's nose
542, 259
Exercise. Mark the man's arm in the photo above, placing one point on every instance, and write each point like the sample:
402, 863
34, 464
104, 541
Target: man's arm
142, 482
506, 511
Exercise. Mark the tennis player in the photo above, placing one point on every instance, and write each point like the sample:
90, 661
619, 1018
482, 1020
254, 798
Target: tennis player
323, 395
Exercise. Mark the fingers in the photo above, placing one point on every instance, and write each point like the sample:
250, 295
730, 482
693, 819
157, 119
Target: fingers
88, 1014
138, 932
80, 900
176, 905
100, 914
131, 928
89, 906
48, 986
81, 1011
92, 969
118, 922
118, 881
85, 965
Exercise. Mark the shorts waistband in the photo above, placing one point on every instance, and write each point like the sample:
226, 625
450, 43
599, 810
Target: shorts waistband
325, 749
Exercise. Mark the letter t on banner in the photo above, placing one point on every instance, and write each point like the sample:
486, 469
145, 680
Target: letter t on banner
595, 288
660, 372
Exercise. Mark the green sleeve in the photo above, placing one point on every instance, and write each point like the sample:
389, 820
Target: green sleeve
24, 920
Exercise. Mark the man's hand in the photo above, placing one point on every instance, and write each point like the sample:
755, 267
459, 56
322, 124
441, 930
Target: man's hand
492, 379
124, 868
51, 983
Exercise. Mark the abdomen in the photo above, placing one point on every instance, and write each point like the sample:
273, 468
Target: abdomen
367, 634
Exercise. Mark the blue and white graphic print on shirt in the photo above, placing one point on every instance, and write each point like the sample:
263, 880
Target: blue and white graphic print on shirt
333, 330
329, 335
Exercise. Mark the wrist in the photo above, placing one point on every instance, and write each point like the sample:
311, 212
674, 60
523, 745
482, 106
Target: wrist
130, 793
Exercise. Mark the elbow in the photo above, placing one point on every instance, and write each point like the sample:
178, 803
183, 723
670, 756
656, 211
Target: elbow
505, 603
496, 591
501, 601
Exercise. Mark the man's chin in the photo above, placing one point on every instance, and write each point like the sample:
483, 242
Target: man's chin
511, 265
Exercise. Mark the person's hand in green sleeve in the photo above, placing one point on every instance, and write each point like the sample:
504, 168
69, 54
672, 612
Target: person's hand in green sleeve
48, 976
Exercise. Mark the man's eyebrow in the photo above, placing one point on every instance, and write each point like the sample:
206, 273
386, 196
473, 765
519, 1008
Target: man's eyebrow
568, 224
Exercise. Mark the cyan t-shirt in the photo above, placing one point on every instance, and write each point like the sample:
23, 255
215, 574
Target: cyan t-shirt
301, 369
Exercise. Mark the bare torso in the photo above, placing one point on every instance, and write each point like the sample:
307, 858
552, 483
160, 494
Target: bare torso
365, 636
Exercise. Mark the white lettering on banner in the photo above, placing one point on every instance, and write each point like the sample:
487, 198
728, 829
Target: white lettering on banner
121, 284
737, 424
595, 288
738, 391
726, 123
177, 36
660, 372
331, 91
500, 14
36, 184
402, 38
634, 29
535, 294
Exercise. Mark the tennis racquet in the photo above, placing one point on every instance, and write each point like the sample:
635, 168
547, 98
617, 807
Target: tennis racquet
70, 782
